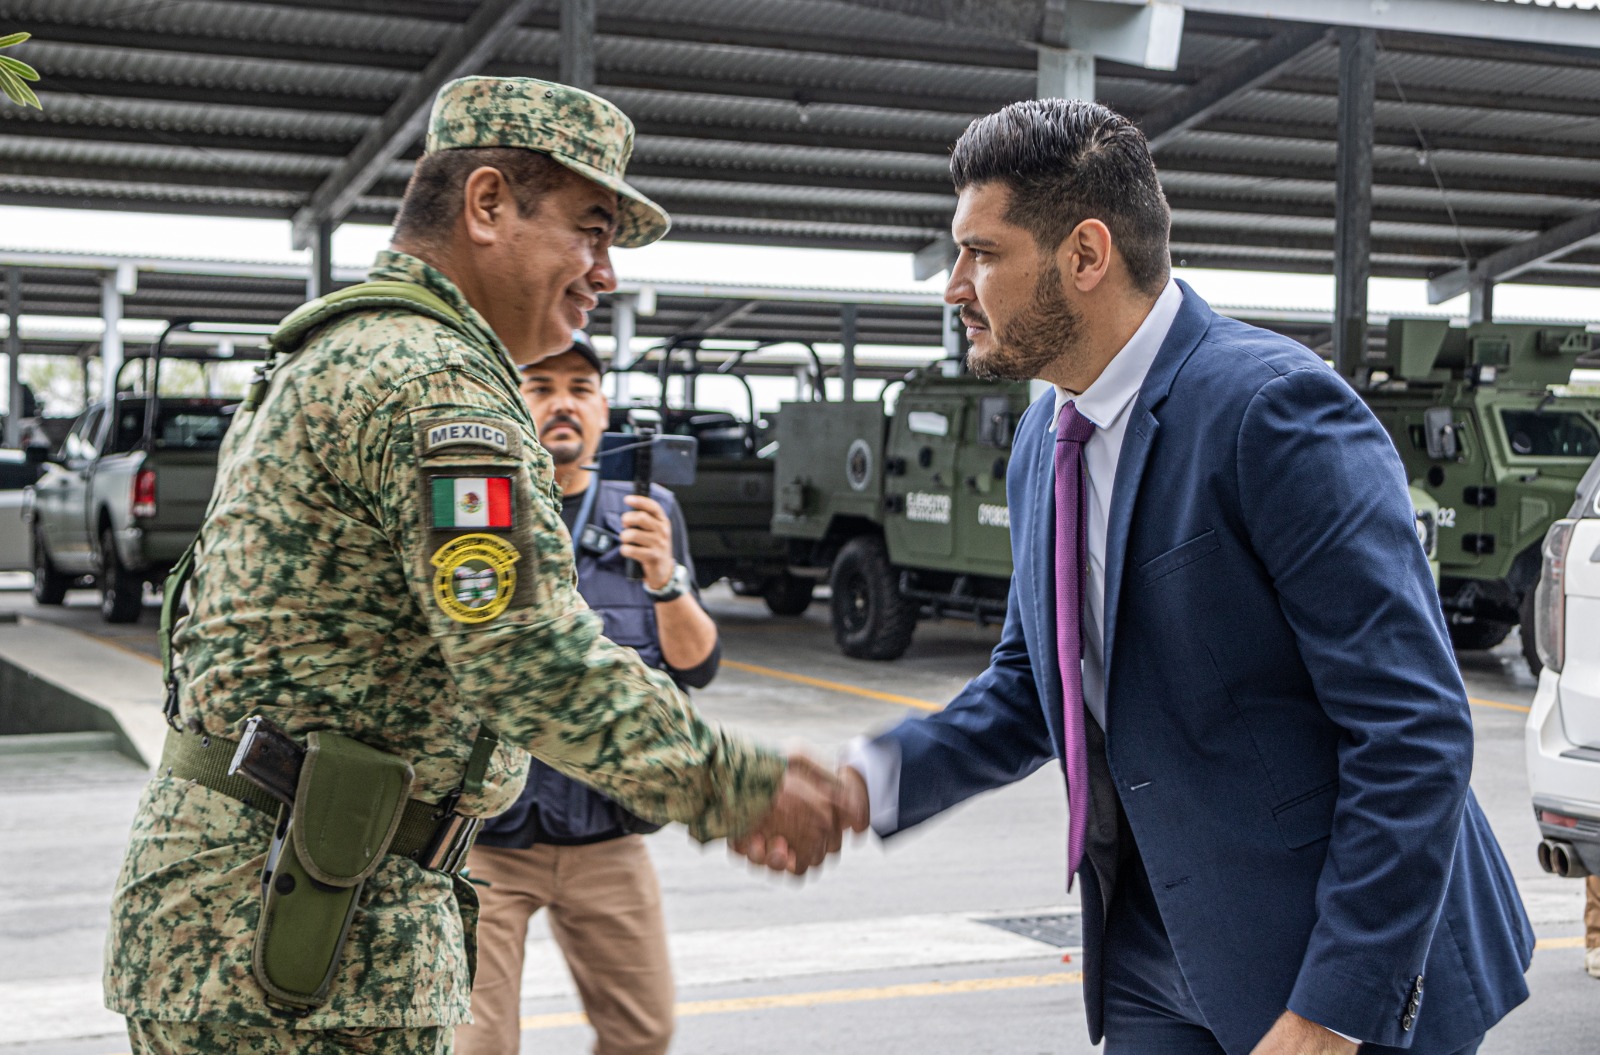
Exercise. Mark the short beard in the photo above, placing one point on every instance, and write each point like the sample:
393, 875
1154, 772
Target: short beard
565, 453
1037, 337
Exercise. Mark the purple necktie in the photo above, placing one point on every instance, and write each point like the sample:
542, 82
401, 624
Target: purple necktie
1072, 432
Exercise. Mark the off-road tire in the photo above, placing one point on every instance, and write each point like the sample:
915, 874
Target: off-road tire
871, 619
1478, 635
121, 593
49, 585
1530, 650
787, 594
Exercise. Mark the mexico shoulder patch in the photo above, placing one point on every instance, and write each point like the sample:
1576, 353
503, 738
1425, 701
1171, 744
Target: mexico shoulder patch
465, 434
474, 577
471, 501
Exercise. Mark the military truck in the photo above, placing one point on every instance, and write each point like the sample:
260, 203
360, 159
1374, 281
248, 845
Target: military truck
118, 500
728, 506
904, 514
1483, 424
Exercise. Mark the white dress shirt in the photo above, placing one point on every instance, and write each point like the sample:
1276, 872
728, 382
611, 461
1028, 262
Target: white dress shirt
1106, 402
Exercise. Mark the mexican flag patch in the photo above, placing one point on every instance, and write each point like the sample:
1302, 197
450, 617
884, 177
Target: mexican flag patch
472, 501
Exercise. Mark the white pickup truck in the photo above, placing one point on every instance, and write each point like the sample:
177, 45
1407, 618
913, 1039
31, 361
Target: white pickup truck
119, 500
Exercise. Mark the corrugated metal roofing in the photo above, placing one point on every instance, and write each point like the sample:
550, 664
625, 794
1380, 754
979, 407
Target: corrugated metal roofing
805, 122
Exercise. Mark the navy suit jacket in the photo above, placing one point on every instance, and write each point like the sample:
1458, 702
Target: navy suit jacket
1285, 723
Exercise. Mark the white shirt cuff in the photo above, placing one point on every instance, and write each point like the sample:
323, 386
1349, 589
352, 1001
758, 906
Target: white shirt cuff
878, 762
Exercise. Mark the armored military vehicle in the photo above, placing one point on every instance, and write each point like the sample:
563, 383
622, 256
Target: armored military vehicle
904, 514
728, 506
1483, 424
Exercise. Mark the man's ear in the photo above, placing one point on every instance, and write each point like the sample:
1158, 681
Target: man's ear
1085, 255
486, 202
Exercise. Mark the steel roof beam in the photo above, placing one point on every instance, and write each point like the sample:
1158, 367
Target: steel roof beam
1517, 258
1511, 22
465, 51
723, 316
1198, 103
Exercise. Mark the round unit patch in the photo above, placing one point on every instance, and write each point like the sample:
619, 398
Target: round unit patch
858, 465
474, 577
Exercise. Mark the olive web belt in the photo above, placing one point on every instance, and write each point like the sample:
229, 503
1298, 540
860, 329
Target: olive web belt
432, 834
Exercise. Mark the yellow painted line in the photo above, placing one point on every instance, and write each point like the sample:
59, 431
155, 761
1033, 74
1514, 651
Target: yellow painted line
832, 996
1574, 942
835, 686
1519, 708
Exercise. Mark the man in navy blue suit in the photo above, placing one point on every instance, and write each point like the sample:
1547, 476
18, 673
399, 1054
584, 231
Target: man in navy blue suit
1223, 626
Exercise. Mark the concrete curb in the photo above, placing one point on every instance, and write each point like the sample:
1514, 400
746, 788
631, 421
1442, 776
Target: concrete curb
54, 680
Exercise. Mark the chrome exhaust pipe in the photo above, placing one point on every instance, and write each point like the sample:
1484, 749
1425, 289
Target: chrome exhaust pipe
1560, 858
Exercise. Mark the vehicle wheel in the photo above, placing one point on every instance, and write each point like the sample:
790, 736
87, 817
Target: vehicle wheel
49, 585
1530, 651
787, 594
121, 594
1478, 634
871, 620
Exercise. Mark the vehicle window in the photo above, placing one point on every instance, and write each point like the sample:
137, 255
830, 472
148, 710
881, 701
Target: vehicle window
129, 429
1550, 434
195, 430
79, 444
192, 428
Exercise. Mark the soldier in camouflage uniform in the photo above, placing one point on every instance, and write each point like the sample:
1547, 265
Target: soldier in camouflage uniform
385, 558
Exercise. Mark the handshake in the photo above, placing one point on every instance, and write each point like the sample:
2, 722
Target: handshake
807, 819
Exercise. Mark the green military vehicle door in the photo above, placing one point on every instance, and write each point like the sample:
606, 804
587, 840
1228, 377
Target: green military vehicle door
904, 514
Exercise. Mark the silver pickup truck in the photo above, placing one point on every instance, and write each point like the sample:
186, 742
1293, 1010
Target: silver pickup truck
119, 500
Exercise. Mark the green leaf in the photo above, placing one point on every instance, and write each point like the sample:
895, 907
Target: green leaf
20, 68
18, 90
15, 38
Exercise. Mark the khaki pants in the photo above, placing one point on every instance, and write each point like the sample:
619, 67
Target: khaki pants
1591, 913
605, 913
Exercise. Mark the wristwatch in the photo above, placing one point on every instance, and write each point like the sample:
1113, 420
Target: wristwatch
675, 588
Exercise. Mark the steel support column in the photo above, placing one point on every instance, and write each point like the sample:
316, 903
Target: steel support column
111, 337
847, 353
13, 436
577, 43
1480, 302
1352, 208
1065, 73
623, 327
321, 278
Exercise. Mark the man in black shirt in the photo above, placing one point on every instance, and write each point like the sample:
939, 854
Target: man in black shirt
565, 846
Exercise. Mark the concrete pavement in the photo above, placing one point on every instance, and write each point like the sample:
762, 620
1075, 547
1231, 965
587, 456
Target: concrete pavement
885, 952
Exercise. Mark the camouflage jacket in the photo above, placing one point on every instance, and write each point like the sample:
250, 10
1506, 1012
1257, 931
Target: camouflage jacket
385, 557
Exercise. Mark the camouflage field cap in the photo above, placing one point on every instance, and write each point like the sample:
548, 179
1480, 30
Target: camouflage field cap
584, 132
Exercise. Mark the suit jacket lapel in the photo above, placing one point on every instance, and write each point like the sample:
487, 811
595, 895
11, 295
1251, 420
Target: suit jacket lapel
1042, 540
1192, 321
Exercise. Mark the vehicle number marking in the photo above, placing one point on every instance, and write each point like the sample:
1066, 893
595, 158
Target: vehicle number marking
1447, 517
994, 516
929, 509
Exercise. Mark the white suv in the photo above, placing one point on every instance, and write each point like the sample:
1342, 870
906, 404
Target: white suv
1563, 732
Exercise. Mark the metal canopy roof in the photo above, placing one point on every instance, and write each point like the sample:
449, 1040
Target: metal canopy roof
827, 123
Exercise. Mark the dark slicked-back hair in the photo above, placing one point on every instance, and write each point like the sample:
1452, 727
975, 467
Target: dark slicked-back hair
1066, 161
434, 196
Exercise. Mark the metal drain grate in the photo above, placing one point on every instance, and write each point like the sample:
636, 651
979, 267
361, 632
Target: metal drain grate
1064, 930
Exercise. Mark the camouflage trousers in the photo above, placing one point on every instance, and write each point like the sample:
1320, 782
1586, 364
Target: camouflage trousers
211, 1038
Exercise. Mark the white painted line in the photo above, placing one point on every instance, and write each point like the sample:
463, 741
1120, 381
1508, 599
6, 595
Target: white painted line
726, 957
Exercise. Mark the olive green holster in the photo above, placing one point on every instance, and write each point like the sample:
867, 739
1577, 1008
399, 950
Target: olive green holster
346, 810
